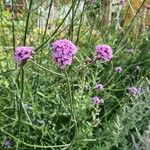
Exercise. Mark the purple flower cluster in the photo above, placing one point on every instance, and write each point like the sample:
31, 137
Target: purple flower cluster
63, 52
104, 52
118, 69
133, 90
96, 100
23, 53
99, 87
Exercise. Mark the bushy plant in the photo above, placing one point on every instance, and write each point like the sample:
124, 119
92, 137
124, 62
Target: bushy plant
72, 84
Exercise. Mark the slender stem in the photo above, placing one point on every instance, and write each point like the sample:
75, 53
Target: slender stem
36, 82
146, 75
5, 72
125, 16
26, 113
70, 95
13, 26
57, 27
72, 22
127, 29
110, 79
27, 22
22, 121
71, 111
46, 69
48, 16
22, 78
39, 5
20, 105
30, 145
80, 22
82, 69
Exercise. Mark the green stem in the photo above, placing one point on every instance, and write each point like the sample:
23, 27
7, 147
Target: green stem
110, 79
129, 29
13, 26
30, 145
40, 66
39, 5
72, 21
27, 22
57, 27
80, 22
48, 16
70, 95
41, 53
20, 105
71, 111
82, 69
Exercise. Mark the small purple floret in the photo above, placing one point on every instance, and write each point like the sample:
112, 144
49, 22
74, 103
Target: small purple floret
96, 100
118, 69
104, 52
99, 87
134, 91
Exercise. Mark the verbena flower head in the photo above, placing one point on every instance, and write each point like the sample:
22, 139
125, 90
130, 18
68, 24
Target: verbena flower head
23, 54
99, 87
104, 52
118, 69
96, 100
63, 52
133, 90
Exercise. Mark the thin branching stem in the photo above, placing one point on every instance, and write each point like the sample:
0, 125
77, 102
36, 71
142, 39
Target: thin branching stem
27, 21
57, 27
30, 145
